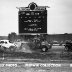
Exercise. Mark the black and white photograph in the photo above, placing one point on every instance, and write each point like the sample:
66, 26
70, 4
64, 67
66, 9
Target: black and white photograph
35, 36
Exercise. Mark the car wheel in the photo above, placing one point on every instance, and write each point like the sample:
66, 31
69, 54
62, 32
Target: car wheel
12, 48
44, 48
66, 48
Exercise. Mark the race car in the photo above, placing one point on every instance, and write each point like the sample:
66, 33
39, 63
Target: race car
41, 44
68, 46
6, 45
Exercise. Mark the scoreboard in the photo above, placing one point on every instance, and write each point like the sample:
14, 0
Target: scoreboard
32, 19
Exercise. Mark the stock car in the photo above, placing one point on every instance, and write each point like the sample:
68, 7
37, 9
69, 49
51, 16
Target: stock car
68, 46
6, 45
41, 45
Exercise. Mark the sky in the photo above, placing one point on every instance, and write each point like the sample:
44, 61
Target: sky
59, 17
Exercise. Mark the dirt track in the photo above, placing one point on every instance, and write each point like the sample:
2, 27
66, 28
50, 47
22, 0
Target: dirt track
55, 55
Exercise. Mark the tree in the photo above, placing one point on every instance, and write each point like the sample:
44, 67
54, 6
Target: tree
12, 36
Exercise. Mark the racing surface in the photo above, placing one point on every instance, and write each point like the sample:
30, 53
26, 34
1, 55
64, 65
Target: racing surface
56, 55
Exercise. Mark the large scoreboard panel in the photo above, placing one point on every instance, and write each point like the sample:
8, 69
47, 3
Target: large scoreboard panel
32, 21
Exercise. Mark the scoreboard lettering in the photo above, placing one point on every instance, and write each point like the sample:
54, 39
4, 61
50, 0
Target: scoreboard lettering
32, 19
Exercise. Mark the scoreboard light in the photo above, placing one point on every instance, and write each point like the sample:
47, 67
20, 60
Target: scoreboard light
32, 6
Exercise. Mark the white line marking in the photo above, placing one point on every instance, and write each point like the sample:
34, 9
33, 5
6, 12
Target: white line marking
39, 60
23, 59
17, 62
60, 60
